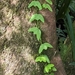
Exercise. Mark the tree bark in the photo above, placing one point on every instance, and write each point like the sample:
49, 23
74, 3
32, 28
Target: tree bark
18, 48
49, 30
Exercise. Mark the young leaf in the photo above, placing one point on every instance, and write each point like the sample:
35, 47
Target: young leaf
37, 17
48, 68
49, 1
36, 31
44, 47
35, 4
47, 6
42, 58
54, 69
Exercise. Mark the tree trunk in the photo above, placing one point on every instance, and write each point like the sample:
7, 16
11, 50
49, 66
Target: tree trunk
18, 48
49, 29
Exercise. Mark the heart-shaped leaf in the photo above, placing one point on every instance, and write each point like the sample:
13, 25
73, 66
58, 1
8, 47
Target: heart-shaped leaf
49, 1
48, 68
47, 6
36, 31
35, 4
44, 47
37, 17
42, 58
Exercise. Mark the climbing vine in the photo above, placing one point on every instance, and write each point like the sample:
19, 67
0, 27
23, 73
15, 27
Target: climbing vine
48, 68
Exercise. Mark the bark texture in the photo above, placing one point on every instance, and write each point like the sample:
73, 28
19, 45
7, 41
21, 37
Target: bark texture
49, 30
18, 48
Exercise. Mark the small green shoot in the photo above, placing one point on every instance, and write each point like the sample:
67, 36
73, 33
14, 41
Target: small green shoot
44, 47
35, 4
37, 17
49, 1
54, 69
42, 58
48, 68
47, 6
36, 31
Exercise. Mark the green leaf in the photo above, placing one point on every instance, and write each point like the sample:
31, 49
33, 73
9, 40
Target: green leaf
36, 31
54, 69
49, 1
44, 47
35, 4
52, 74
48, 68
42, 58
73, 63
47, 6
37, 17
